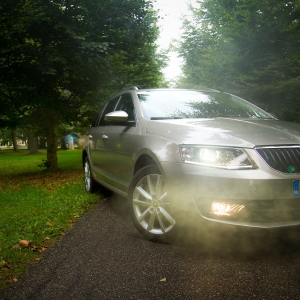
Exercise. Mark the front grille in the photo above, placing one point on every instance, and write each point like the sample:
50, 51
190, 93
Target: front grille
283, 159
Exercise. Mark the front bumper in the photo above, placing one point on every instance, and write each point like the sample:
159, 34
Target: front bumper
261, 198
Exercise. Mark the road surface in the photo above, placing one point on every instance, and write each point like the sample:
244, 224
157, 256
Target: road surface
104, 257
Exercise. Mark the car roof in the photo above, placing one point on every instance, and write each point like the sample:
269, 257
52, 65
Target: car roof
145, 90
175, 90
134, 88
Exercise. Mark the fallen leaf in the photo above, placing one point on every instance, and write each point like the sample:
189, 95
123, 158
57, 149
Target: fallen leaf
37, 258
24, 243
44, 248
163, 280
33, 248
2, 263
14, 279
49, 224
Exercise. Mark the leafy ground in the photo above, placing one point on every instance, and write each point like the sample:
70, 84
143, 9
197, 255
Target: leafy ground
36, 207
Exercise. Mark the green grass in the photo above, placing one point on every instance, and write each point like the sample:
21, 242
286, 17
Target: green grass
18, 162
37, 206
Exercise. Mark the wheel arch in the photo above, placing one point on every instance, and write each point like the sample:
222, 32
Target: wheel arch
143, 161
145, 158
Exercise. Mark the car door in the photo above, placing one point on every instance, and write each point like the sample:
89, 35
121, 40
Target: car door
95, 135
118, 146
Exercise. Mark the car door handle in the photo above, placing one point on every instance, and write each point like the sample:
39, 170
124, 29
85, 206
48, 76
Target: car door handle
104, 137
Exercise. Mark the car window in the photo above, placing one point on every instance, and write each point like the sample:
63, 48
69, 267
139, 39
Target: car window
96, 119
110, 107
126, 104
190, 104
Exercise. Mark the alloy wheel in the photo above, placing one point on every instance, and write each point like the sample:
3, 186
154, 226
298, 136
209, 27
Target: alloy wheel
151, 206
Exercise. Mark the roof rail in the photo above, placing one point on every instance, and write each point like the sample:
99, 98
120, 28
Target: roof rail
132, 88
208, 90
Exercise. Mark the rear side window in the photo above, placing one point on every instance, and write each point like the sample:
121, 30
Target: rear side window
110, 107
96, 119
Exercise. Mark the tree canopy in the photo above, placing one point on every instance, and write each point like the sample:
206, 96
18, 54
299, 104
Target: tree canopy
58, 57
247, 47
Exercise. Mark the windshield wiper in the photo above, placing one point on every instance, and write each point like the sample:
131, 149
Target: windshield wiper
166, 118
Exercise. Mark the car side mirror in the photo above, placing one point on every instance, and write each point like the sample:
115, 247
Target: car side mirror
116, 116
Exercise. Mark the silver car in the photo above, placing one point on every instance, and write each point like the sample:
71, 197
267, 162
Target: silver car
175, 151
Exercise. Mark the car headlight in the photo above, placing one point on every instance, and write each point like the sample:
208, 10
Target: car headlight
219, 157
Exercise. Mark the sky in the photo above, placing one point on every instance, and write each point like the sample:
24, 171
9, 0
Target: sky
170, 25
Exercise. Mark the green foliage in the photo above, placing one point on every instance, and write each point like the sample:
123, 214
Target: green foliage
6, 135
250, 48
45, 164
60, 59
37, 207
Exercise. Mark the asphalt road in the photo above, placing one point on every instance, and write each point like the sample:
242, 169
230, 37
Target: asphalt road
104, 257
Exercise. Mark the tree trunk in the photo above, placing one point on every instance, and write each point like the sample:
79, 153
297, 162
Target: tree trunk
43, 143
51, 148
32, 143
14, 140
63, 144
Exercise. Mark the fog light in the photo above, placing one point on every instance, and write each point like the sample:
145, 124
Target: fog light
225, 209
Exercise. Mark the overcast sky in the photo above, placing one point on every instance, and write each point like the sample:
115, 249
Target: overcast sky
171, 11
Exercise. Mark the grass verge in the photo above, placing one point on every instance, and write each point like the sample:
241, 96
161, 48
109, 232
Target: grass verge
36, 207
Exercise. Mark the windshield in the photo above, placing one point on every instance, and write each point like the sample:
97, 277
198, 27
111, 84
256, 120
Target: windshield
193, 104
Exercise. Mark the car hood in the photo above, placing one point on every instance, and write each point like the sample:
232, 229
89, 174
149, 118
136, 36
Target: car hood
246, 133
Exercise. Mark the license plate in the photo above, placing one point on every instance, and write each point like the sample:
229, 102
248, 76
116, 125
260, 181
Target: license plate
296, 188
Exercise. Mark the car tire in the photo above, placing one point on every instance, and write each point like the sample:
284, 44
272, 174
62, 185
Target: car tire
90, 184
149, 206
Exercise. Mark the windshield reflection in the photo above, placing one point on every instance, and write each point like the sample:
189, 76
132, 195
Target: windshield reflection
192, 104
